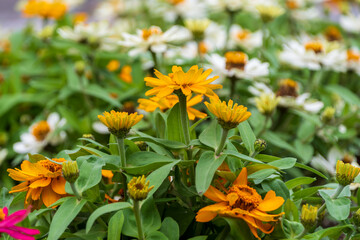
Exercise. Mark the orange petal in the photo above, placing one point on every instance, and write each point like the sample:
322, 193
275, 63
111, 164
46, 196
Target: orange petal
232, 198
254, 231
215, 195
242, 178
24, 186
58, 185
43, 182
270, 202
208, 213
49, 196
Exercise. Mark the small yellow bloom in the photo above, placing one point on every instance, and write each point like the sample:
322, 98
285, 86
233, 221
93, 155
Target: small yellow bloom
346, 173
235, 59
228, 115
267, 103
70, 171
125, 74
138, 188
308, 215
328, 114
268, 13
119, 123
45, 9
113, 65
197, 26
194, 80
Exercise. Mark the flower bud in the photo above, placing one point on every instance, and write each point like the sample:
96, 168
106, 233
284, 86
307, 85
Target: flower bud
260, 145
356, 218
70, 171
327, 116
139, 188
266, 103
308, 215
89, 136
268, 13
80, 67
197, 27
346, 173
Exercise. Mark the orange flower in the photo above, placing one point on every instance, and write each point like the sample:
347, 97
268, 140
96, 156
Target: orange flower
42, 181
108, 174
242, 201
125, 74
45, 9
168, 102
194, 80
113, 65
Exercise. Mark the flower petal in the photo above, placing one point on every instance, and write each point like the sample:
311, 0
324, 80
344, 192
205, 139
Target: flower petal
215, 195
242, 178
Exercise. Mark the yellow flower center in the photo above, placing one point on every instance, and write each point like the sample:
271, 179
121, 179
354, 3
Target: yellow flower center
287, 87
41, 130
315, 46
332, 34
242, 35
52, 167
2, 214
236, 60
243, 197
292, 4
203, 49
175, 2
353, 56
146, 33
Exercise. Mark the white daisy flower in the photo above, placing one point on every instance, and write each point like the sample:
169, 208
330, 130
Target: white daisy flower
353, 60
99, 127
112, 9
314, 55
41, 134
244, 38
350, 23
153, 39
228, 5
182, 9
3, 154
236, 64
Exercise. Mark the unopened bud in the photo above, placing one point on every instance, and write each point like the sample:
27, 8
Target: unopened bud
327, 116
80, 67
308, 215
89, 136
70, 171
260, 145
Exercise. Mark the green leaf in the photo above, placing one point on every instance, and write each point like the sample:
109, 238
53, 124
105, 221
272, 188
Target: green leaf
174, 130
5, 198
293, 183
115, 226
277, 186
338, 208
94, 151
205, 170
262, 174
64, 216
299, 165
98, 92
291, 211
36, 157
305, 192
345, 93
170, 228
90, 173
284, 163
247, 136
277, 141
105, 209
292, 229
157, 177
141, 163
305, 150
156, 236
241, 156
162, 142
331, 232
211, 135
239, 230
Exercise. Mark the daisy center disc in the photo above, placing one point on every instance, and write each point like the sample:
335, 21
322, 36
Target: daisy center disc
243, 197
235, 60
41, 130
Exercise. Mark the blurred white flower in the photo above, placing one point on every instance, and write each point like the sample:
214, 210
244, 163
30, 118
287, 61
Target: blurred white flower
350, 23
153, 39
99, 127
112, 9
3, 154
244, 38
314, 54
353, 60
227, 5
182, 9
236, 64
41, 134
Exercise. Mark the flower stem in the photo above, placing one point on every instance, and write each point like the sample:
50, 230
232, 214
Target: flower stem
232, 87
137, 213
121, 148
336, 194
263, 130
75, 191
222, 141
184, 117
154, 58
228, 26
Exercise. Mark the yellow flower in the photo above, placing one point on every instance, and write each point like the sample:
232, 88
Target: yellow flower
267, 103
268, 13
346, 173
113, 65
168, 102
328, 114
242, 202
45, 9
119, 123
308, 215
125, 74
42, 181
194, 80
70, 171
139, 188
228, 115
197, 26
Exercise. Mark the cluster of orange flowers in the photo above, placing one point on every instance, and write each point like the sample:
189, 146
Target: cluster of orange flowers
45, 9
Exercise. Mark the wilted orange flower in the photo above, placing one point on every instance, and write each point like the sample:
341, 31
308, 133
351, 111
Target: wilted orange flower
194, 80
45, 9
229, 115
125, 74
242, 201
168, 102
42, 181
